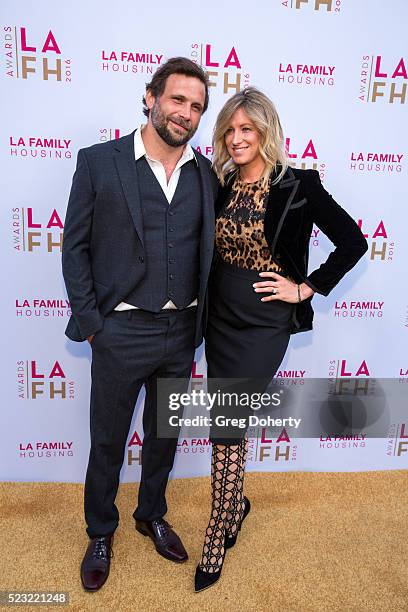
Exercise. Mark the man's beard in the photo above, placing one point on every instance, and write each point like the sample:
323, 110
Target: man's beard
159, 121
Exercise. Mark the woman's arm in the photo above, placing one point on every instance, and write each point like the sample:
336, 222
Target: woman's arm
341, 229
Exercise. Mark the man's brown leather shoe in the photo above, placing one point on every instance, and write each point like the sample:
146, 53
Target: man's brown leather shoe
167, 542
96, 563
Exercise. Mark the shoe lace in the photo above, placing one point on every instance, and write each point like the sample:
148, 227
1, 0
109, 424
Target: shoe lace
101, 550
163, 527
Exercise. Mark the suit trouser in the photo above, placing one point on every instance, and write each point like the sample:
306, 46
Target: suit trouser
134, 347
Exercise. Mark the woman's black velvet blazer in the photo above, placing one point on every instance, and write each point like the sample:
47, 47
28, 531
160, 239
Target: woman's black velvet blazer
295, 203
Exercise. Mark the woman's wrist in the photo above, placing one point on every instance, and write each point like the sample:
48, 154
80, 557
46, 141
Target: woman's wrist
304, 292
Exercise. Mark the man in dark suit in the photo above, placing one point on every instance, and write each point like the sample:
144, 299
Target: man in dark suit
137, 251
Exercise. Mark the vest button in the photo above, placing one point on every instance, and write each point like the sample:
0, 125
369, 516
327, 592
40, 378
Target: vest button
141, 259
171, 229
171, 260
171, 213
171, 245
171, 276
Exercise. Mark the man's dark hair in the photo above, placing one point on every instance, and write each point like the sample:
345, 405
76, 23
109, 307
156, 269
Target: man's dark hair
175, 65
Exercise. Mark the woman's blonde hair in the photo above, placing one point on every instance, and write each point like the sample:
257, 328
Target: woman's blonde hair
262, 112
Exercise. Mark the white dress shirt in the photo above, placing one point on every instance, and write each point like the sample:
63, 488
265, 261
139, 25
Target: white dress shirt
168, 188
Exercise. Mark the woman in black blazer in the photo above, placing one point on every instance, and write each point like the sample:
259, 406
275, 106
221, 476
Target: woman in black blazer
260, 290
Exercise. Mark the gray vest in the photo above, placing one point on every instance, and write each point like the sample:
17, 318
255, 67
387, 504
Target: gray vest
171, 240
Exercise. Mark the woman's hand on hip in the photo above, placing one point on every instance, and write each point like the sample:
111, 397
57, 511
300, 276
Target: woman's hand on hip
281, 288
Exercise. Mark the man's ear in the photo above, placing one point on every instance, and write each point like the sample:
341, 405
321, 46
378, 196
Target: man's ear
150, 99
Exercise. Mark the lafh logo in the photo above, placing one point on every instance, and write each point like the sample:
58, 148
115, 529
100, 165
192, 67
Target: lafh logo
40, 147
38, 381
328, 6
346, 377
345, 441
376, 161
134, 450
289, 377
279, 449
35, 231
406, 317
194, 445
27, 58
46, 449
306, 74
304, 156
383, 81
205, 149
380, 247
397, 442
358, 309
130, 61
224, 69
39, 307
106, 134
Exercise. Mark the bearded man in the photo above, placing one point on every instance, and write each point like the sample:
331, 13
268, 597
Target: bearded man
137, 252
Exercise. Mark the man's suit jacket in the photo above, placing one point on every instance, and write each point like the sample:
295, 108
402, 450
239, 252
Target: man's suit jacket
295, 203
103, 256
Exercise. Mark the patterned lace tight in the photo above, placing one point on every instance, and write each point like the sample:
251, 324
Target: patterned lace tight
234, 516
227, 479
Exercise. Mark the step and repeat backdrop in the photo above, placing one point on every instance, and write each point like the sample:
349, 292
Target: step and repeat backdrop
74, 74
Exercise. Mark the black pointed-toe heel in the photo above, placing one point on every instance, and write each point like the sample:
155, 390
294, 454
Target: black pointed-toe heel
230, 540
203, 580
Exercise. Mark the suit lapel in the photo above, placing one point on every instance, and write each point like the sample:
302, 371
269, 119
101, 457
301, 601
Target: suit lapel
281, 196
124, 154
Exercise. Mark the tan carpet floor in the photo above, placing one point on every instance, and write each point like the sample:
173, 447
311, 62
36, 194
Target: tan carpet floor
313, 542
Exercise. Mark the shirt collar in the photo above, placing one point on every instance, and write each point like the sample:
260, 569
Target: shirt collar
140, 150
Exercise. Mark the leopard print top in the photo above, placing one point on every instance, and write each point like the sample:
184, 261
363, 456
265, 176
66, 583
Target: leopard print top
239, 231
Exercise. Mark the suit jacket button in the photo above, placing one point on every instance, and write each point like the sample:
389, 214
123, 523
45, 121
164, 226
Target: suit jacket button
141, 259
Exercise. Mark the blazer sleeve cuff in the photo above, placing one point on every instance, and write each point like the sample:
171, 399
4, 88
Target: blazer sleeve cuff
89, 324
310, 284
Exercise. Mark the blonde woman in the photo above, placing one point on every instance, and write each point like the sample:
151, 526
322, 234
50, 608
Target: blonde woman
260, 290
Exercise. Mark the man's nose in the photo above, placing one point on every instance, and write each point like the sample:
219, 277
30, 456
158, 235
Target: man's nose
185, 112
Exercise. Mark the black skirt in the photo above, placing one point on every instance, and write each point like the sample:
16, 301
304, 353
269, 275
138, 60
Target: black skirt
245, 339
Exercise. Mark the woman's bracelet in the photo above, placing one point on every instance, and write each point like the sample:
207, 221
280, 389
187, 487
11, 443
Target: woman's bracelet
299, 296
